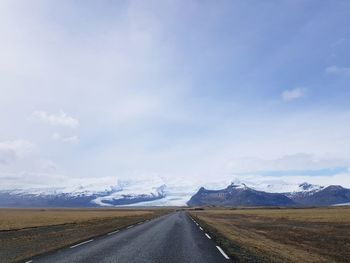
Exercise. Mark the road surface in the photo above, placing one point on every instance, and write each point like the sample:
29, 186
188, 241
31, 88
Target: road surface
169, 239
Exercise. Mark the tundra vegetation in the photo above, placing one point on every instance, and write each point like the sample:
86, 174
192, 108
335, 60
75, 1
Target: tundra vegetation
280, 235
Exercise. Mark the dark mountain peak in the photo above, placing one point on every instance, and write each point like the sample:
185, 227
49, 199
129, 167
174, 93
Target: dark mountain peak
237, 186
305, 186
232, 186
202, 189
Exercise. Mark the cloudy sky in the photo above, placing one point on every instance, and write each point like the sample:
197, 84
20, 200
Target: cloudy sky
197, 89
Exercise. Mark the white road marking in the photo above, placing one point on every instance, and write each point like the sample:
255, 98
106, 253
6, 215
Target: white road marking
82, 243
111, 233
197, 224
201, 228
207, 236
139, 223
222, 252
130, 226
29, 261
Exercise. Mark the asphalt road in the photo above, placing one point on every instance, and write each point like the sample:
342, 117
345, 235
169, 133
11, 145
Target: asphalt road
171, 238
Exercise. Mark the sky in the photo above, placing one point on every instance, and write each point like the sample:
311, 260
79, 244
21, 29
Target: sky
182, 89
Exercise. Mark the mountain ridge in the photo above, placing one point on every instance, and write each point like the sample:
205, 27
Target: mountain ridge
161, 192
241, 195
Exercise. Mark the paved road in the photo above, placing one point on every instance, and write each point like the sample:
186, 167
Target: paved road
168, 239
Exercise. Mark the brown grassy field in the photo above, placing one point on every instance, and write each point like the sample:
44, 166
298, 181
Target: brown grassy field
281, 235
28, 232
11, 219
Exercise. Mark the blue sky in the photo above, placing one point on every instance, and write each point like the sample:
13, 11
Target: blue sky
190, 88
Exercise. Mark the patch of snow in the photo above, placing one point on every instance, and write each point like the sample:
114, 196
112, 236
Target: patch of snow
342, 204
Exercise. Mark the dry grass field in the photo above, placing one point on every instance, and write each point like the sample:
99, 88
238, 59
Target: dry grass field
28, 232
281, 235
11, 219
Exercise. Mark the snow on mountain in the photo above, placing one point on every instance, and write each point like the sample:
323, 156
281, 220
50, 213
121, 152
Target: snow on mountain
305, 189
342, 204
278, 186
62, 185
144, 189
105, 191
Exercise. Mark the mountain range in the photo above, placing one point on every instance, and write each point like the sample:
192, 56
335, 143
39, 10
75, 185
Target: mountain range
159, 191
123, 193
106, 198
242, 195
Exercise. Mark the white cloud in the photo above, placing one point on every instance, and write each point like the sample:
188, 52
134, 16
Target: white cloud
61, 119
298, 161
10, 151
335, 70
47, 166
293, 94
68, 139
141, 104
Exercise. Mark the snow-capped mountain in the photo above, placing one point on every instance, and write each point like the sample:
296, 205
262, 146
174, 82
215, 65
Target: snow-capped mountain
241, 195
161, 191
238, 195
304, 190
148, 191
320, 195
103, 193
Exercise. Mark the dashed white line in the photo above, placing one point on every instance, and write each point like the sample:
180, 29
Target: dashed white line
111, 233
207, 236
201, 228
130, 226
82, 243
29, 261
222, 252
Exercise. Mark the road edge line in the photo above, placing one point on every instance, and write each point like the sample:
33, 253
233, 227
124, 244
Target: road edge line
113, 232
222, 252
82, 243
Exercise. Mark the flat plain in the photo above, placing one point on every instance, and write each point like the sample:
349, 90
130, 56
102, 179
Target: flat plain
25, 233
280, 235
